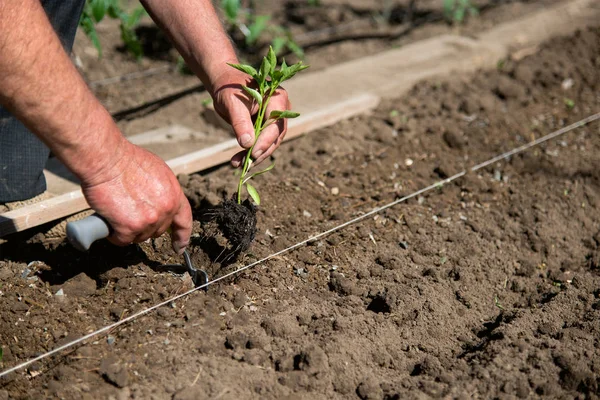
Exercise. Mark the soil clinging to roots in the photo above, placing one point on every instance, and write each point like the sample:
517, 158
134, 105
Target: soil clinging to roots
236, 222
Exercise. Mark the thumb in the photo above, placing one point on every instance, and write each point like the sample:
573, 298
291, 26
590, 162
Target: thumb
241, 121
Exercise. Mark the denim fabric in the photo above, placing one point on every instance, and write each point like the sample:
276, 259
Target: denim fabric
22, 155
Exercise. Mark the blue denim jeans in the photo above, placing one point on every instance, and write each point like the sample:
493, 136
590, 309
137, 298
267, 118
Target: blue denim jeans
22, 155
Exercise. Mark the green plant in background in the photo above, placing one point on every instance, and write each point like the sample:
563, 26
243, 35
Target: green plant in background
268, 78
94, 11
253, 27
569, 103
456, 10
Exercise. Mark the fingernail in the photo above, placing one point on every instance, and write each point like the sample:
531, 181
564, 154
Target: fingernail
179, 247
236, 164
257, 153
245, 140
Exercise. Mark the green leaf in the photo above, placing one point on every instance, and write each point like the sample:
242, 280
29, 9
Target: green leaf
449, 8
245, 68
131, 41
231, 9
272, 60
283, 114
265, 67
255, 95
113, 9
256, 28
270, 167
134, 18
89, 28
459, 14
295, 48
569, 103
98, 9
293, 70
253, 193
278, 44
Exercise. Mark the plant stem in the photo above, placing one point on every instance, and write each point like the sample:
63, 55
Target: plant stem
257, 130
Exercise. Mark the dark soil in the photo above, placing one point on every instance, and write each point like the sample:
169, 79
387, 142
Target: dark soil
487, 287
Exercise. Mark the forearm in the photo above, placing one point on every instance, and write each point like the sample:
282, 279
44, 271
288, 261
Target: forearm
42, 88
196, 32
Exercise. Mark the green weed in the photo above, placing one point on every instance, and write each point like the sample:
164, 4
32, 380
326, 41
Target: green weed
94, 11
569, 103
456, 10
254, 27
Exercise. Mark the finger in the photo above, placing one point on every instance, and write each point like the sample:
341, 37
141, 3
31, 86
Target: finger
266, 154
163, 228
241, 122
238, 159
269, 140
274, 132
182, 226
121, 239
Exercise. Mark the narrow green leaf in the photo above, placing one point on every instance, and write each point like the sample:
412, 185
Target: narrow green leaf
256, 28
98, 9
245, 68
459, 14
255, 95
295, 48
272, 60
231, 9
131, 41
88, 27
270, 167
265, 67
293, 70
278, 44
253, 193
276, 76
448, 6
134, 18
283, 114
113, 9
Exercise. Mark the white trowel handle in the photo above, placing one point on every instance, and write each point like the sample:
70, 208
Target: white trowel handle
81, 234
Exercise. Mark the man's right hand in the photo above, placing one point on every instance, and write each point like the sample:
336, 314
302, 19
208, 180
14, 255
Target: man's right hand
140, 198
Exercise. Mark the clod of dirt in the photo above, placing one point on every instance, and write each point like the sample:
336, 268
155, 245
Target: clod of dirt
80, 286
312, 360
114, 372
369, 390
236, 223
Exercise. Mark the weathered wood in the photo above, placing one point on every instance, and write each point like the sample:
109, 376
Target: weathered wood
207, 158
74, 202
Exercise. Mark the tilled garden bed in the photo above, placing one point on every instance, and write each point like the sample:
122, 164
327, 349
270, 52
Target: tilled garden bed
487, 286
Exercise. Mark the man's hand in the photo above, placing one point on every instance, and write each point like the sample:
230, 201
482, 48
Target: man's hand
133, 189
140, 198
196, 31
235, 106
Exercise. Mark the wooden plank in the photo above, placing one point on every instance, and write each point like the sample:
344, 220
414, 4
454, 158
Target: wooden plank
74, 202
221, 153
42, 212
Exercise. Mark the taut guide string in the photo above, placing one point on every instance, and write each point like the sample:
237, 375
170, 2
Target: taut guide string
477, 167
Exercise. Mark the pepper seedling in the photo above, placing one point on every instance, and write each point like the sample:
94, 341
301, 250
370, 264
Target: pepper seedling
267, 78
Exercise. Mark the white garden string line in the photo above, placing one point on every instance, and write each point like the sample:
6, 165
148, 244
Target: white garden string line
302, 243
